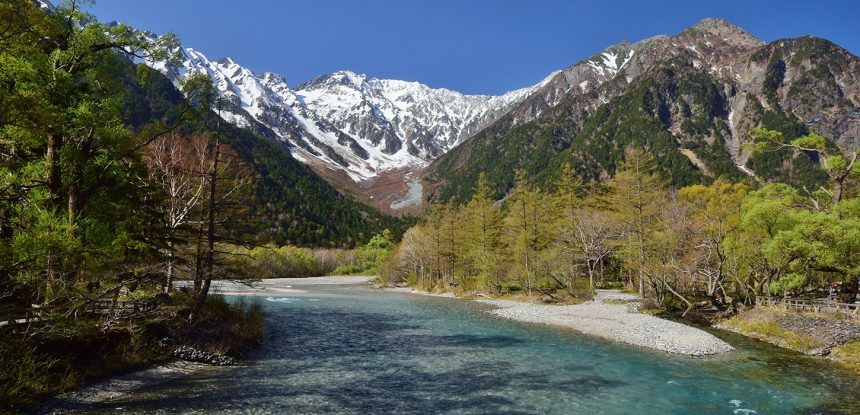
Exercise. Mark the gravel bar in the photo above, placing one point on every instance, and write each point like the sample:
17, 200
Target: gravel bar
616, 322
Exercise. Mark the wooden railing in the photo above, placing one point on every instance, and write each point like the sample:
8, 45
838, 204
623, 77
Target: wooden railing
103, 308
119, 309
816, 306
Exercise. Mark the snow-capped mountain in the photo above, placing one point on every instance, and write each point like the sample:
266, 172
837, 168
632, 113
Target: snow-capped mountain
345, 121
373, 136
393, 114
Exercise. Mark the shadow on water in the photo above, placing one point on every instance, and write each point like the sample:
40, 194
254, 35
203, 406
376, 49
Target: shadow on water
369, 354
311, 340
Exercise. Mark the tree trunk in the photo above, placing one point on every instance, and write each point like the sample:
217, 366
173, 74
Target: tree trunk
76, 173
590, 274
52, 163
849, 291
74, 198
681, 297
171, 258
198, 255
210, 230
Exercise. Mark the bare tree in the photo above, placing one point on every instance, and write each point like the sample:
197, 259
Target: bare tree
587, 234
177, 164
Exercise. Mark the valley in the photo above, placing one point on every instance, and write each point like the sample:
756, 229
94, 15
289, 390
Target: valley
608, 231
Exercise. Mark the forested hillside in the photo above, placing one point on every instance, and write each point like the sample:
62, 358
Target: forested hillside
688, 99
121, 199
295, 206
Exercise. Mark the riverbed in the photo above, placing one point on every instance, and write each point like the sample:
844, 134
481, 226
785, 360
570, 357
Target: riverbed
350, 349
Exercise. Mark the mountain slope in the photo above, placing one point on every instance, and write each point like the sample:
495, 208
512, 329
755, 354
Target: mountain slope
690, 99
349, 128
295, 205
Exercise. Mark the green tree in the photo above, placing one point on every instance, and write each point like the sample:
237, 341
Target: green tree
526, 229
716, 212
70, 165
816, 243
763, 216
838, 167
483, 233
636, 196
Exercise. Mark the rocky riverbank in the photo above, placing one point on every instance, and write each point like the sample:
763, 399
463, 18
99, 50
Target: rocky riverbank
604, 317
118, 386
612, 315
285, 286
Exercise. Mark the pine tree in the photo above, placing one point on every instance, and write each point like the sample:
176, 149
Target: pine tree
483, 233
526, 228
636, 197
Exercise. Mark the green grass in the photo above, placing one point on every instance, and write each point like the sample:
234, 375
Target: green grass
761, 323
848, 356
351, 270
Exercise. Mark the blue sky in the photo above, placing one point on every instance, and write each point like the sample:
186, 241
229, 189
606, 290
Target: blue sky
473, 46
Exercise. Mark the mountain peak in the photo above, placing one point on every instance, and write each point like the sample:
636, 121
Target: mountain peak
711, 24
725, 29
348, 77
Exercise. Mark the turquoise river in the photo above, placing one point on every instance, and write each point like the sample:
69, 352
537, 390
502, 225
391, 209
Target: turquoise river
355, 350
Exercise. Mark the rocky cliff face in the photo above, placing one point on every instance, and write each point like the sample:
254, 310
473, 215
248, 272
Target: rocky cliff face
694, 95
691, 98
345, 122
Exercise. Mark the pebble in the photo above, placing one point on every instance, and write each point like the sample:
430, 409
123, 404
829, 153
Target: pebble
618, 323
192, 354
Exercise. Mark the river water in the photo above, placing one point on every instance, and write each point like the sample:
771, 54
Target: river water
355, 350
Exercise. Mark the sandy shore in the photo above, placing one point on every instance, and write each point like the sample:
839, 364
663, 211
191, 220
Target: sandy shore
616, 322
285, 286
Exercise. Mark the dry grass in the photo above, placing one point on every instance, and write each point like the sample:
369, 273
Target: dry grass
848, 356
762, 323
226, 328
619, 301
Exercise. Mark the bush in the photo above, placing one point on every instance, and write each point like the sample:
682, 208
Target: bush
273, 262
227, 328
348, 269
617, 285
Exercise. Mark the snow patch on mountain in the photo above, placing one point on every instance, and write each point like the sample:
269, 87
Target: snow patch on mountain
609, 63
345, 120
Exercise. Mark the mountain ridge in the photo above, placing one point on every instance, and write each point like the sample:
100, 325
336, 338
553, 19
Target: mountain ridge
686, 94
358, 131
347, 120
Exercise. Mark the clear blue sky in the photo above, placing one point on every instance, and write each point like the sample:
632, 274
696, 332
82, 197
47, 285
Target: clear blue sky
473, 46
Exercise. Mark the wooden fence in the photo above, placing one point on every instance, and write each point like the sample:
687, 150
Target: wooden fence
817, 306
107, 309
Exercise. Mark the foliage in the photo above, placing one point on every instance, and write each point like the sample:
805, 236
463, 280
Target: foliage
716, 244
269, 261
375, 252
91, 147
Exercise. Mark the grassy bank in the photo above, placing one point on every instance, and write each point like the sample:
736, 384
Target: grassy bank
543, 292
809, 333
39, 364
764, 323
848, 356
